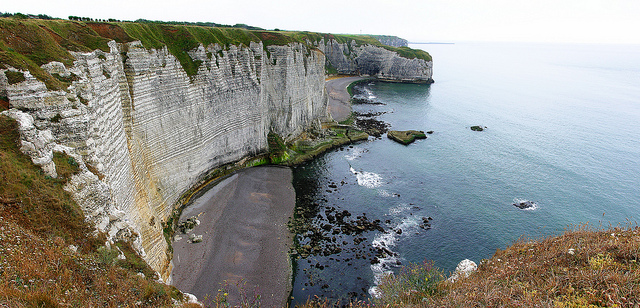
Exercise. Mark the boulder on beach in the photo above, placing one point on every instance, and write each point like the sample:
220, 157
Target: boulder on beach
193, 238
406, 136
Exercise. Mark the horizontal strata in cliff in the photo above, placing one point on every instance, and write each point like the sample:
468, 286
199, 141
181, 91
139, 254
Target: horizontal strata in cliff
146, 123
353, 59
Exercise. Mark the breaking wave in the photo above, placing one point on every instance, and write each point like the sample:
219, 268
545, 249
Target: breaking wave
386, 194
387, 240
356, 152
367, 179
366, 94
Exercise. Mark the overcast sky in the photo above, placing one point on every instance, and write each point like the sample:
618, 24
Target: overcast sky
579, 21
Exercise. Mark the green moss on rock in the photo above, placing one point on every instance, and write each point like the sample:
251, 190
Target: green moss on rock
14, 77
407, 136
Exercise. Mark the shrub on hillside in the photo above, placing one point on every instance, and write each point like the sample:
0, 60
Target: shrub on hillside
414, 284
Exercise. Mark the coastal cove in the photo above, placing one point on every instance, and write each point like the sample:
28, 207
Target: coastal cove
560, 132
150, 112
144, 162
243, 224
450, 197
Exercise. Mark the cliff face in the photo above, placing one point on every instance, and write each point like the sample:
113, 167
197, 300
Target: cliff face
146, 118
391, 40
143, 132
353, 59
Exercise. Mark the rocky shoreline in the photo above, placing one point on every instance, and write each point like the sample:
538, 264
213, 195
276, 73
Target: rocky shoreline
341, 229
197, 263
330, 238
367, 122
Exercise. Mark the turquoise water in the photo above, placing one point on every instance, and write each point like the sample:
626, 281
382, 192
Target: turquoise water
563, 124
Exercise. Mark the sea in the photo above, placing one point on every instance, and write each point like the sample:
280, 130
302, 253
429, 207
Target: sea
561, 130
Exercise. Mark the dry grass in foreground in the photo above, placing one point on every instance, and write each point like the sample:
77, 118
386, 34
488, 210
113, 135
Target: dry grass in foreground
582, 267
39, 222
38, 272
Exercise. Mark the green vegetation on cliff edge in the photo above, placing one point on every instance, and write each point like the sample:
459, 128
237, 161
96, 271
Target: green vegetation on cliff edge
27, 44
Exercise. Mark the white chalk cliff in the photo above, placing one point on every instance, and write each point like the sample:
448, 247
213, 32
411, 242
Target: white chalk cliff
151, 131
353, 59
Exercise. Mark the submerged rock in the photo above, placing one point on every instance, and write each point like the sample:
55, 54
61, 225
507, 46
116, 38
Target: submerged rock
407, 136
372, 126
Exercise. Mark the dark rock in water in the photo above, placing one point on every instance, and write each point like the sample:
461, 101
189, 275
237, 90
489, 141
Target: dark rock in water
477, 128
430, 132
372, 126
407, 136
524, 204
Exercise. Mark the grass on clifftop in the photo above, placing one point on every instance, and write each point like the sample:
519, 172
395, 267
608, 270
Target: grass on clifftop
27, 44
38, 223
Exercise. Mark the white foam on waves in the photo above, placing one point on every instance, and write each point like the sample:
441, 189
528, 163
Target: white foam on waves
399, 209
356, 152
367, 179
369, 94
387, 240
366, 94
